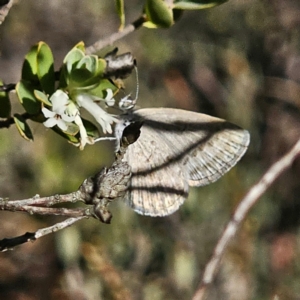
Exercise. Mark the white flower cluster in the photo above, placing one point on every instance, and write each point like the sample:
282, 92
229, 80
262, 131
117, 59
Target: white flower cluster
65, 111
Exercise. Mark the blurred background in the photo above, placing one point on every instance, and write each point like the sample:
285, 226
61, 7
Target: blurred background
239, 61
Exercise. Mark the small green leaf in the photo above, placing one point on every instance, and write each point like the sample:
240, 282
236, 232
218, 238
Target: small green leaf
90, 77
90, 128
63, 77
159, 14
42, 97
196, 4
102, 87
29, 69
101, 67
71, 138
80, 46
5, 106
23, 127
89, 62
70, 61
85, 63
72, 58
45, 68
78, 77
72, 129
121, 13
26, 97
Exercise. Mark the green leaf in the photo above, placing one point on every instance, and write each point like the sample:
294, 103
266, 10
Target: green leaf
42, 97
90, 128
78, 77
101, 67
80, 46
26, 97
88, 73
29, 69
121, 13
102, 87
72, 134
23, 127
159, 14
72, 129
196, 4
5, 106
71, 138
70, 62
63, 77
89, 62
45, 68
72, 58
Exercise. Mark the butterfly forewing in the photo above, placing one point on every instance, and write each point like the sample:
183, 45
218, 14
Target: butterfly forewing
221, 152
152, 190
178, 148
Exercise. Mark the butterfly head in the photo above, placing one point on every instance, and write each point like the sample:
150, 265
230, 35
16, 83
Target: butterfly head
127, 131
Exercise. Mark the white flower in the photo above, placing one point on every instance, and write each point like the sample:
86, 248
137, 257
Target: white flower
102, 117
58, 115
64, 111
84, 138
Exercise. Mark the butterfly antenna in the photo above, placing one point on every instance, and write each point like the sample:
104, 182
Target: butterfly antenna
127, 103
137, 83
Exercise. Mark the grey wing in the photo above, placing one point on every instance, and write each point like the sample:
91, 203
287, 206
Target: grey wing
154, 190
207, 147
221, 152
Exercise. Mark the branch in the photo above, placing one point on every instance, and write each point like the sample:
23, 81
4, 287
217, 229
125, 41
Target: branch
250, 199
54, 211
41, 201
10, 121
97, 46
10, 243
96, 192
7, 87
30, 205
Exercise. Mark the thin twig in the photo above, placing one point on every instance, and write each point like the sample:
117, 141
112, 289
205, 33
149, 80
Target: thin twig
42, 201
54, 211
30, 205
7, 87
9, 121
10, 243
97, 46
240, 214
58, 226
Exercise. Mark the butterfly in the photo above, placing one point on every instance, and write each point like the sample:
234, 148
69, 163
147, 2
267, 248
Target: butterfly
177, 149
